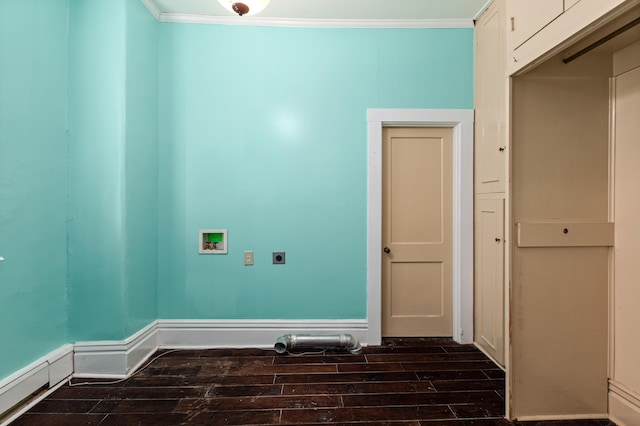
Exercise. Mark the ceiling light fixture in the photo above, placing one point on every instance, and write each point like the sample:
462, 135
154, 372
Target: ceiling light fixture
244, 7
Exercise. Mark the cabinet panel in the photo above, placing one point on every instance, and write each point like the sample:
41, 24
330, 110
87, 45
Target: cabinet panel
579, 16
491, 101
564, 234
560, 149
558, 365
626, 297
529, 17
569, 4
559, 282
489, 282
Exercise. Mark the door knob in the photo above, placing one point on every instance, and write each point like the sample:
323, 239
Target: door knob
387, 250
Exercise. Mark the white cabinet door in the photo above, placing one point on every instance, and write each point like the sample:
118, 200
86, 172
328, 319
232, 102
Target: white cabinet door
491, 100
489, 282
530, 16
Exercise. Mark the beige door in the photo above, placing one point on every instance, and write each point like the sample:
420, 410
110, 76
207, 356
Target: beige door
489, 282
416, 232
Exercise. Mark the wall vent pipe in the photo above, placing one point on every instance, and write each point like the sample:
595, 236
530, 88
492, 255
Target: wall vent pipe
340, 341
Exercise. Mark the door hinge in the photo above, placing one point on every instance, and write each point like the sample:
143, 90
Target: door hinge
513, 24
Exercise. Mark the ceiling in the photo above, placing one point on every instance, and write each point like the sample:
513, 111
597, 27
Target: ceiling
327, 10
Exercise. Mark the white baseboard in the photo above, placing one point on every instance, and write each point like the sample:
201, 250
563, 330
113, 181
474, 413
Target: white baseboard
562, 417
115, 358
32, 402
182, 334
48, 371
118, 359
624, 405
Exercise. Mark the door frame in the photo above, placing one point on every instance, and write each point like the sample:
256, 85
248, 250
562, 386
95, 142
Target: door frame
461, 121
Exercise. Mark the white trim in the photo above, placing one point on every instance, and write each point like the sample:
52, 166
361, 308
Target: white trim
312, 23
624, 404
152, 7
115, 358
49, 370
556, 417
182, 334
60, 364
461, 120
120, 358
482, 10
32, 403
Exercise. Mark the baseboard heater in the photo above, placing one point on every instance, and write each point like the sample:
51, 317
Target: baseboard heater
339, 341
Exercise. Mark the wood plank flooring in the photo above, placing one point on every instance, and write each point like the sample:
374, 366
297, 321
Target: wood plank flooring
403, 382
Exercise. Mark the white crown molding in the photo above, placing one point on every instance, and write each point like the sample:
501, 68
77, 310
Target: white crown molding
483, 9
313, 23
152, 7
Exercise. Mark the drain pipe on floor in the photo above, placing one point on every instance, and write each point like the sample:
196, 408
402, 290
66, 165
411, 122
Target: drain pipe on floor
342, 341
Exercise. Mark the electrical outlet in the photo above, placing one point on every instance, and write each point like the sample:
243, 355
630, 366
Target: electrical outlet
248, 258
278, 258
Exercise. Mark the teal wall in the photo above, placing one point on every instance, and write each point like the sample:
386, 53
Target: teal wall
96, 169
112, 169
263, 132
141, 167
121, 137
33, 122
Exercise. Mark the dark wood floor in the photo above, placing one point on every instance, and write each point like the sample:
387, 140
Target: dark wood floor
403, 382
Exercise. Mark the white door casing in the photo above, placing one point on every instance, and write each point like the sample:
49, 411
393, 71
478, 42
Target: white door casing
461, 121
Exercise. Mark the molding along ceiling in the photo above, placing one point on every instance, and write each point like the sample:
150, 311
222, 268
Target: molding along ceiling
328, 13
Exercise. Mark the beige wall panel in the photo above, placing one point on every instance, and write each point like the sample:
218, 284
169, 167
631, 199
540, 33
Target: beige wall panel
559, 332
627, 228
559, 306
560, 149
568, 234
593, 65
626, 59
